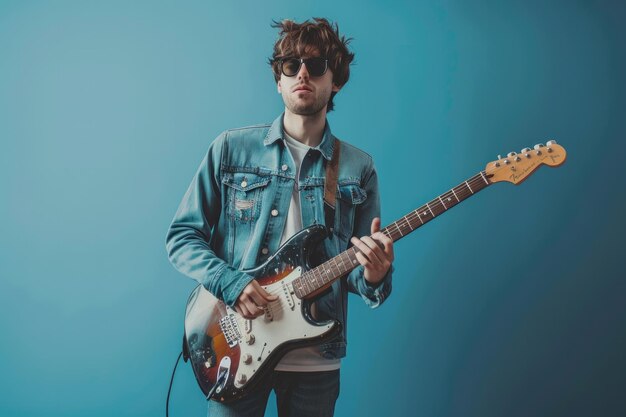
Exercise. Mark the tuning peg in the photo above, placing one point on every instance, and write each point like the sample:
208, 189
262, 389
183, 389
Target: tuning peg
525, 150
514, 156
551, 142
539, 146
499, 156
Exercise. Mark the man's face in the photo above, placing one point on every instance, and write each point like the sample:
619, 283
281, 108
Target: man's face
304, 94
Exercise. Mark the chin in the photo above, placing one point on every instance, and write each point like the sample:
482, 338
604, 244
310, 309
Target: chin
307, 110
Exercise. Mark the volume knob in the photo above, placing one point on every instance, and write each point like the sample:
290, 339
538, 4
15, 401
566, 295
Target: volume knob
249, 338
247, 359
242, 379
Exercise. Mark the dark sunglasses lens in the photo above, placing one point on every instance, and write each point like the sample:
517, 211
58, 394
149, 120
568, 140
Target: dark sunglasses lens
316, 66
291, 67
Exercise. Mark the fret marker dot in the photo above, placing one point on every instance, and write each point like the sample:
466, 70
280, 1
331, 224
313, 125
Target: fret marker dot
449, 199
424, 213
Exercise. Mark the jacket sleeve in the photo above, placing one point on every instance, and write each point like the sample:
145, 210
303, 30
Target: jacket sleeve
189, 234
373, 295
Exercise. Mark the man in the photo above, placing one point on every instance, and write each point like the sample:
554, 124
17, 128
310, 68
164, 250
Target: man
259, 185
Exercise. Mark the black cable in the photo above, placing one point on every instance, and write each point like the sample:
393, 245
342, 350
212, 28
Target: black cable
220, 380
167, 401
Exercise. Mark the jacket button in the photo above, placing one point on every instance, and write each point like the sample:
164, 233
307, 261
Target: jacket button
284, 167
243, 184
274, 212
264, 251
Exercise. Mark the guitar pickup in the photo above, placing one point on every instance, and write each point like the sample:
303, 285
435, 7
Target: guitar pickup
288, 295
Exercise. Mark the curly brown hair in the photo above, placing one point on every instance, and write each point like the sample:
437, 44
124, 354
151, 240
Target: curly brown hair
296, 39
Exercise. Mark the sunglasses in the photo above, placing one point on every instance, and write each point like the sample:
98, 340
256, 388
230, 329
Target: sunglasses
316, 67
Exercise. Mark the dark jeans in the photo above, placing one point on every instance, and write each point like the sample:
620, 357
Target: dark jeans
301, 394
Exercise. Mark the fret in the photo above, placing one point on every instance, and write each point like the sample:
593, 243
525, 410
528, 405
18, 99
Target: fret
448, 197
343, 263
468, 186
334, 270
483, 175
297, 286
334, 263
349, 255
307, 288
462, 192
418, 216
431, 212
324, 272
318, 277
455, 196
444, 204
436, 207
408, 222
329, 270
314, 281
397, 227
344, 268
352, 262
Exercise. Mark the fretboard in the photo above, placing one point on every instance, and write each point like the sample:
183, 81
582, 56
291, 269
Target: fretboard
338, 266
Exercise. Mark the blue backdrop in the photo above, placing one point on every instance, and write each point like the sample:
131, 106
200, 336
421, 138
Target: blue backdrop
513, 304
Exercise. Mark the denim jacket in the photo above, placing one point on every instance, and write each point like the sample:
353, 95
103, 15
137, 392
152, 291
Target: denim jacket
232, 216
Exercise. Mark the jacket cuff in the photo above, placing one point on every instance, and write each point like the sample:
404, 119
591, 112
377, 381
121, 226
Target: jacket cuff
227, 284
375, 294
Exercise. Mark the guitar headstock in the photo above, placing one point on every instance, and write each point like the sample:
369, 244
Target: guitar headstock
516, 167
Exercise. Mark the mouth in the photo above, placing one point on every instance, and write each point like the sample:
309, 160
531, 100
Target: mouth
302, 88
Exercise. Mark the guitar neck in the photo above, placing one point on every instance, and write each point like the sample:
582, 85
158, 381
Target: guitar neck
323, 275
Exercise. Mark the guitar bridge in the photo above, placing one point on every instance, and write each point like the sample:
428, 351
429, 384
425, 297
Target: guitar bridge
230, 329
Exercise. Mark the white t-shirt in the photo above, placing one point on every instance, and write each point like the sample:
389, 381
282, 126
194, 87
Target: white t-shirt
303, 359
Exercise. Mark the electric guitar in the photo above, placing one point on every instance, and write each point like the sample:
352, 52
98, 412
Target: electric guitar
229, 353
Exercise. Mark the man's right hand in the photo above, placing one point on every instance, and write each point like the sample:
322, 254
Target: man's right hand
252, 300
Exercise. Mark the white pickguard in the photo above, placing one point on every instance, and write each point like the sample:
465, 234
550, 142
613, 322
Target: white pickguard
282, 322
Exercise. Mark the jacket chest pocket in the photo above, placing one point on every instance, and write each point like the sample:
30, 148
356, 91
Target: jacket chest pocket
349, 197
244, 195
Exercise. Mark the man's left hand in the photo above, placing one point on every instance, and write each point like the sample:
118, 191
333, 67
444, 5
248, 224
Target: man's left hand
375, 253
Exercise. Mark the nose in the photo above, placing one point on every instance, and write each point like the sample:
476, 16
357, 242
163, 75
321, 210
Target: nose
303, 73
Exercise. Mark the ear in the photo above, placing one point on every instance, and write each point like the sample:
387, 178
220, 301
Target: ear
278, 87
336, 88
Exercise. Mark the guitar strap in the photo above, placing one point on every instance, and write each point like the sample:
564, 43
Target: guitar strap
330, 189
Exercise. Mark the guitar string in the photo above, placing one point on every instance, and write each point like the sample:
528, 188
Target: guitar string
437, 205
407, 220
403, 222
476, 180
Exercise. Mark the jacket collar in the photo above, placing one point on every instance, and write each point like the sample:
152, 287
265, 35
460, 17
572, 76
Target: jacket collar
325, 147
